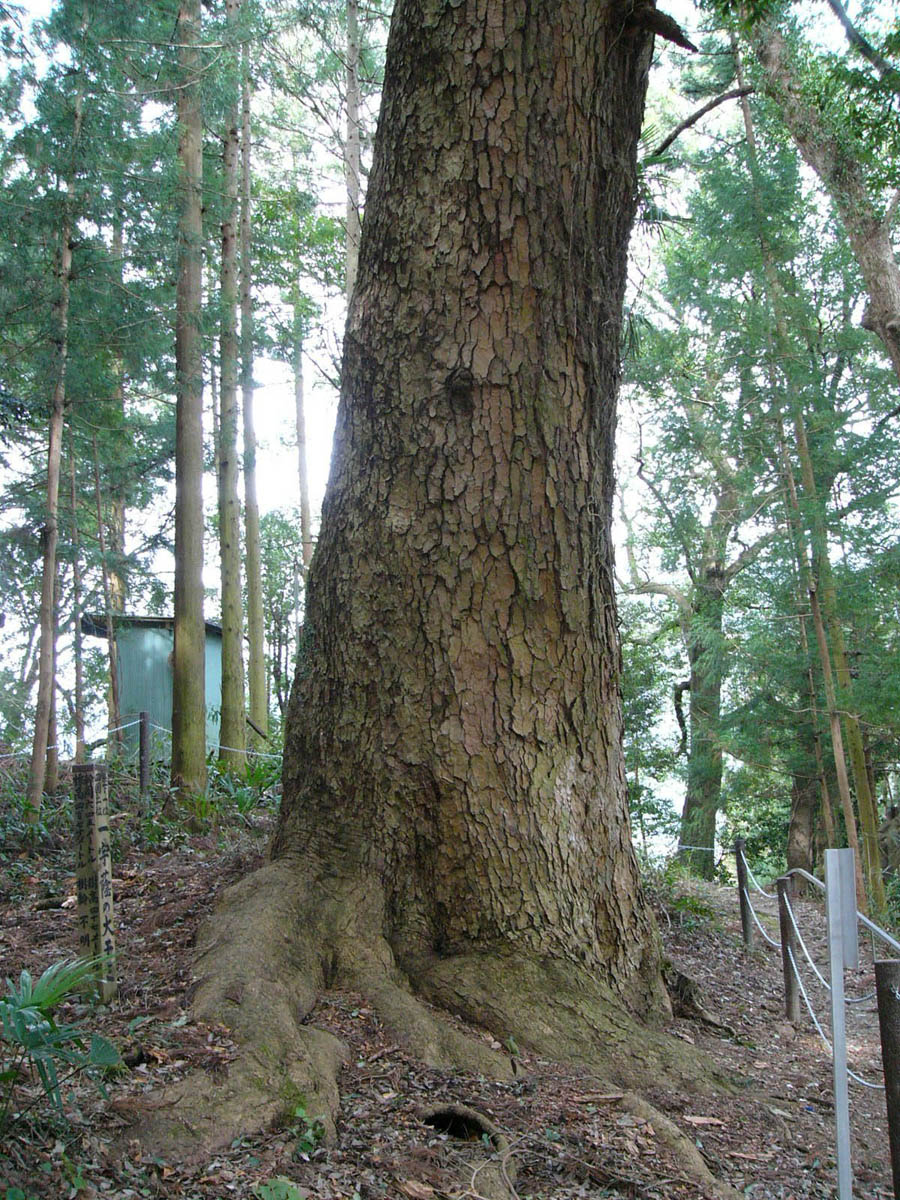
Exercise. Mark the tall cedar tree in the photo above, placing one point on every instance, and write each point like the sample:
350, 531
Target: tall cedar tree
232, 730
189, 659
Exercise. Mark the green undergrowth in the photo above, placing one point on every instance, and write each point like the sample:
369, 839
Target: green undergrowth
677, 896
231, 800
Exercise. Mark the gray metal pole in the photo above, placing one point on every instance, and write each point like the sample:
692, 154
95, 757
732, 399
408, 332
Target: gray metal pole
834, 906
887, 984
789, 949
743, 892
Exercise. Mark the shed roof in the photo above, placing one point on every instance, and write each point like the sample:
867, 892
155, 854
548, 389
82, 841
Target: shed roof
94, 624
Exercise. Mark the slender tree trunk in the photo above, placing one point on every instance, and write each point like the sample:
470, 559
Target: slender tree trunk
834, 720
824, 796
256, 649
50, 532
189, 658
352, 159
116, 499
115, 740
51, 775
865, 800
232, 731
300, 425
704, 783
77, 638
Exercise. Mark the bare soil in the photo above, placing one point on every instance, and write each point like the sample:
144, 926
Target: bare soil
568, 1134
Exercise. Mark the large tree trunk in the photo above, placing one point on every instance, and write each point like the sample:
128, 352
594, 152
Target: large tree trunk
801, 841
458, 721
454, 824
189, 658
704, 782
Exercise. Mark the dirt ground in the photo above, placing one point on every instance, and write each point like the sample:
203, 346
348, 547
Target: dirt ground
569, 1134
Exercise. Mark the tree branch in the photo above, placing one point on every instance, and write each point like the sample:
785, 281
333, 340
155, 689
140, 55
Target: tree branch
734, 94
886, 70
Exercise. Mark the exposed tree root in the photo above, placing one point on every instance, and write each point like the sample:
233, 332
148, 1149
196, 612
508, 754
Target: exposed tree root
686, 1000
280, 938
681, 1146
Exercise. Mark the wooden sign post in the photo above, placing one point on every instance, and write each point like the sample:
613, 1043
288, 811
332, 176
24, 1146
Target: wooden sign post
93, 872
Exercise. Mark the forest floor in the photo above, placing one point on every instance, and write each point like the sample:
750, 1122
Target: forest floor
568, 1133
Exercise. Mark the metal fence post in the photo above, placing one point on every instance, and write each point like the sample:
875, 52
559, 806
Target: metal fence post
788, 949
839, 871
887, 984
743, 892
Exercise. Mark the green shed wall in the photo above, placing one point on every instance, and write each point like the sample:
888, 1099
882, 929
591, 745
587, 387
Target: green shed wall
145, 682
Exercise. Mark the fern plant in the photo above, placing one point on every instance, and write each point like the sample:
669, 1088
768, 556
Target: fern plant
33, 1043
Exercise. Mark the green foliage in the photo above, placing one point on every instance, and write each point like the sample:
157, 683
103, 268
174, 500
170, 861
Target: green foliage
710, 389
229, 796
309, 1132
277, 1189
33, 1042
673, 889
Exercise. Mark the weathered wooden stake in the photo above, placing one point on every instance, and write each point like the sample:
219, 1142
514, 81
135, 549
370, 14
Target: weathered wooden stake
93, 870
789, 949
887, 985
144, 754
743, 891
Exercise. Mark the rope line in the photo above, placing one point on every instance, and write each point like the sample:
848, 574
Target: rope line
806, 1001
777, 945
799, 936
762, 891
236, 749
875, 1087
119, 728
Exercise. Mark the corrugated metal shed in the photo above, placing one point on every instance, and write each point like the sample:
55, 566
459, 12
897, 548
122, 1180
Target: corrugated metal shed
144, 646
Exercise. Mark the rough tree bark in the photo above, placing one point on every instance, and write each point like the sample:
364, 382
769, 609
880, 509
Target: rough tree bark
454, 741
454, 825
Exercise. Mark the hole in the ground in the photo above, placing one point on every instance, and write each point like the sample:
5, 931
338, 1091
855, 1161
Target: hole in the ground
459, 1122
